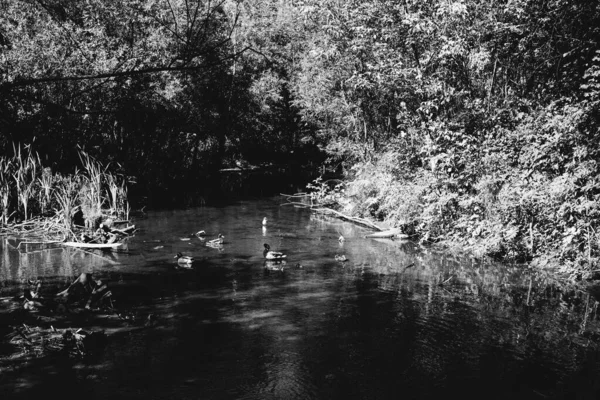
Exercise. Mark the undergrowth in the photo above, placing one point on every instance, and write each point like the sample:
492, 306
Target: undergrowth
31, 191
526, 193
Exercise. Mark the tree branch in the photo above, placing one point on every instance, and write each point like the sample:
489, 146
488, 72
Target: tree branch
118, 74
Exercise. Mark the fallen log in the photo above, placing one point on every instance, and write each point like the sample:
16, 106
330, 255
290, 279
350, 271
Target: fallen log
394, 233
92, 245
385, 234
125, 231
357, 220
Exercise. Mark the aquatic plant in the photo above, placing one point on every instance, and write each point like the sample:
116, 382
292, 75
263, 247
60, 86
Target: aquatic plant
45, 182
66, 196
123, 203
90, 195
25, 177
112, 192
5, 188
28, 189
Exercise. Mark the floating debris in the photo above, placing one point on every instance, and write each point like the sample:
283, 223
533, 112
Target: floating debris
38, 341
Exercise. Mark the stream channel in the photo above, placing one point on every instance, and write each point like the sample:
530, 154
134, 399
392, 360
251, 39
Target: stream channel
396, 320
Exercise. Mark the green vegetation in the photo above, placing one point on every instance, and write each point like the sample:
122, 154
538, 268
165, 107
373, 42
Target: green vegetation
58, 202
482, 136
169, 90
464, 121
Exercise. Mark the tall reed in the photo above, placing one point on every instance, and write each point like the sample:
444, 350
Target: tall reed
5, 173
25, 177
124, 203
45, 183
27, 188
94, 177
91, 193
112, 192
66, 198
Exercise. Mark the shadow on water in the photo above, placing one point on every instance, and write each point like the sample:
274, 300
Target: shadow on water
394, 320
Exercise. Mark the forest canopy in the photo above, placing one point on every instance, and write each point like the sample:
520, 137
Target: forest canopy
471, 121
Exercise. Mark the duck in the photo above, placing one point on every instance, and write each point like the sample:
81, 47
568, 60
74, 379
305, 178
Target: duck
199, 233
264, 222
341, 239
340, 258
181, 259
272, 255
217, 241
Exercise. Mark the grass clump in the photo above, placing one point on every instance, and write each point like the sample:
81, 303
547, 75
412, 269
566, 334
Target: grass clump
34, 199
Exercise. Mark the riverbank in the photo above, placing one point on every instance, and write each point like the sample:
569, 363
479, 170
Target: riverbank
424, 206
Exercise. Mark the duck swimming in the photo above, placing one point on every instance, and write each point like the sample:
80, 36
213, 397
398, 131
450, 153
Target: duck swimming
217, 241
181, 259
340, 258
272, 255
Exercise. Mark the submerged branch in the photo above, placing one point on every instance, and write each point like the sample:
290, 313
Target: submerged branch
329, 211
297, 203
357, 220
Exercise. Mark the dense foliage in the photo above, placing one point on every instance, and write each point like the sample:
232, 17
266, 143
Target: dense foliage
471, 121
157, 87
464, 120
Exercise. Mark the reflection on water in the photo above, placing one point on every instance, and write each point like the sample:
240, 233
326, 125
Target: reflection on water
18, 263
395, 320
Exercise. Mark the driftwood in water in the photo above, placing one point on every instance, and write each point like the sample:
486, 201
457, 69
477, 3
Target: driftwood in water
104, 237
357, 220
38, 340
125, 231
394, 233
92, 245
385, 234
382, 233
331, 211
33, 333
326, 210
86, 286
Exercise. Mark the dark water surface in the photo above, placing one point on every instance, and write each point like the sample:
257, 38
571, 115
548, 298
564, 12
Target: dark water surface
373, 327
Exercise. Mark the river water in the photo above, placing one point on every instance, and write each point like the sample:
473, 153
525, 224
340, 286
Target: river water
396, 320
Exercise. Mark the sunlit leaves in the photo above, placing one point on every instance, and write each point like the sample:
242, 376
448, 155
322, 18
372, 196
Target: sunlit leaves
138, 82
482, 95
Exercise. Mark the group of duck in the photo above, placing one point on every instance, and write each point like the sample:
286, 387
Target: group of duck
267, 252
